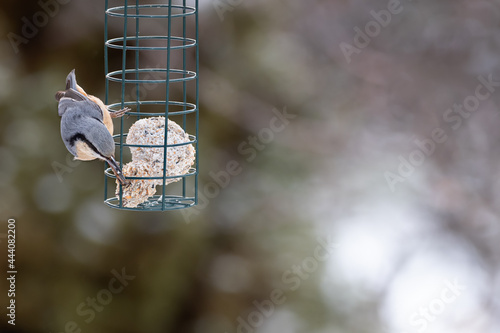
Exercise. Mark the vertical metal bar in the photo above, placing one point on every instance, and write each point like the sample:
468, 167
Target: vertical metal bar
106, 84
106, 67
167, 98
197, 104
184, 88
137, 100
124, 67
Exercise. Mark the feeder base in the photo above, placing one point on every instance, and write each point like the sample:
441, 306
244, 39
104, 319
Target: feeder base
154, 204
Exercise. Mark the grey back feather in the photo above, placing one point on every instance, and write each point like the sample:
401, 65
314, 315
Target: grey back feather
84, 118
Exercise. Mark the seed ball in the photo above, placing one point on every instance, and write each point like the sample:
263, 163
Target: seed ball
148, 161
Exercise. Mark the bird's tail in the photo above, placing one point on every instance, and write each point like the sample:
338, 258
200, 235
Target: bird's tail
71, 89
71, 80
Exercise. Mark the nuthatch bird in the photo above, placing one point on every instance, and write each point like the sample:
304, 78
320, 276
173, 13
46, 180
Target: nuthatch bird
86, 126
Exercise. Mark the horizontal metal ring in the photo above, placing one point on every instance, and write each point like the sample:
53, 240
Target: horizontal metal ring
154, 203
191, 172
192, 139
112, 43
188, 75
120, 11
190, 108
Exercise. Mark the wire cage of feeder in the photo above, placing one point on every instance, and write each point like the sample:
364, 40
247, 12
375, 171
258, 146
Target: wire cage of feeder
151, 67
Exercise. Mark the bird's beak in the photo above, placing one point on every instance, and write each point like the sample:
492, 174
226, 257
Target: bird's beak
118, 172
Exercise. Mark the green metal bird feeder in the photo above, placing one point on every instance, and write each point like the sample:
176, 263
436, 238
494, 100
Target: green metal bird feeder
151, 66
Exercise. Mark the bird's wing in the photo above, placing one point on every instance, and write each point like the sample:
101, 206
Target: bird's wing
64, 105
78, 124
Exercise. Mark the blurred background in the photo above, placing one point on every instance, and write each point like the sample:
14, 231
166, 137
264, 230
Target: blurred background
369, 206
